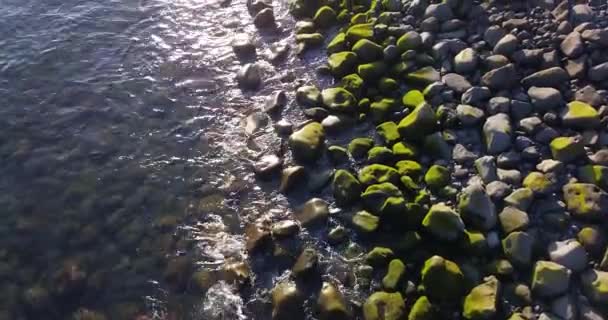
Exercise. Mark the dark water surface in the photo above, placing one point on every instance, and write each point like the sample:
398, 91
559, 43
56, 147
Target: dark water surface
123, 162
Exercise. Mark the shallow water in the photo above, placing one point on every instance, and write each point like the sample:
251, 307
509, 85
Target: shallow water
124, 164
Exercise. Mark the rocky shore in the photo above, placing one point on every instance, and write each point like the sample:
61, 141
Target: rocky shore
467, 147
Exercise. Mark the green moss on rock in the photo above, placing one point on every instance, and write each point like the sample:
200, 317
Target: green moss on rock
372, 71
365, 221
388, 132
342, 63
482, 302
384, 306
419, 123
360, 31
339, 100
394, 275
368, 50
380, 109
307, 143
359, 147
567, 149
443, 280
422, 309
443, 222
346, 187
378, 173
325, 17
437, 177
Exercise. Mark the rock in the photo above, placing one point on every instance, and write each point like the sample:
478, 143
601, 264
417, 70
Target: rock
564, 307
314, 211
595, 174
518, 248
586, 201
486, 168
592, 239
589, 95
498, 190
460, 154
372, 71
384, 306
573, 46
497, 133
567, 149
306, 264
346, 188
411, 40
569, 253
339, 100
384, 199
276, 102
469, 115
331, 302
482, 302
379, 256
421, 121
442, 279
422, 310
538, 182
307, 143
513, 219
287, 302
507, 45
456, 82
550, 279
337, 155
292, 177
545, 99
368, 51
476, 95
284, 228
264, 19
308, 96
325, 17
378, 173
268, 166
595, 286
475, 206
443, 222
360, 31
579, 115
442, 12
465, 61
500, 78
365, 221
512, 177
598, 72
243, 46
423, 76
551, 77
257, 236
581, 13
600, 157
437, 177
493, 34
309, 40
342, 63
249, 76
394, 275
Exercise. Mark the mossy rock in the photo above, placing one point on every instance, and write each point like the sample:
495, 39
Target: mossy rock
423, 76
443, 280
359, 147
379, 256
332, 305
384, 306
595, 286
310, 39
437, 177
409, 168
405, 151
346, 187
538, 182
435, 145
413, 99
372, 71
378, 110
443, 223
595, 174
550, 279
580, 115
360, 31
337, 154
585, 200
337, 44
394, 275
419, 123
388, 85
409, 184
365, 221
368, 50
339, 100
411, 40
407, 241
388, 132
518, 246
325, 17
307, 143
423, 309
359, 18
567, 149
378, 173
303, 8
354, 84
380, 154
384, 199
308, 96
501, 268
342, 63
475, 243
482, 302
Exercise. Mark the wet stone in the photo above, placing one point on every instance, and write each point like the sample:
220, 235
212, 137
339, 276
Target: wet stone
291, 178
384, 306
306, 264
284, 228
314, 211
365, 221
442, 279
332, 304
268, 166
513, 219
585, 201
249, 76
257, 236
287, 302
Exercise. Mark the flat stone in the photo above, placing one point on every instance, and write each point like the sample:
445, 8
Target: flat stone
497, 133
500, 78
573, 46
569, 253
544, 99
551, 77
513, 219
